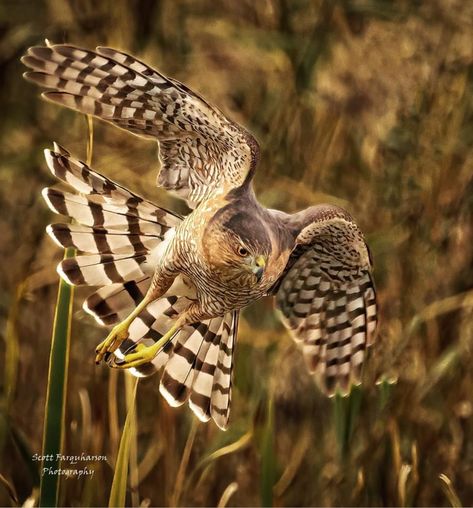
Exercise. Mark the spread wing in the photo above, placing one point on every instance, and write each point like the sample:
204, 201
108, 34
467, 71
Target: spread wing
327, 297
202, 152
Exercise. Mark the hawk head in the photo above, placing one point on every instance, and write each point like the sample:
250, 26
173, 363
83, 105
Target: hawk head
237, 245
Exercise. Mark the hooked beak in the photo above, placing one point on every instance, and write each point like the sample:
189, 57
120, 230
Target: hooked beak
258, 267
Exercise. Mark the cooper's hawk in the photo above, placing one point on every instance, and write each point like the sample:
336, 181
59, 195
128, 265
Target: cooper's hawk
186, 278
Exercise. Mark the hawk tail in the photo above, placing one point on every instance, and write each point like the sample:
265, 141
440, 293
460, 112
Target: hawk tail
197, 361
117, 231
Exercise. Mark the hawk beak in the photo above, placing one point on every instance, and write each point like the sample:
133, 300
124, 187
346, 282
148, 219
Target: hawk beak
258, 267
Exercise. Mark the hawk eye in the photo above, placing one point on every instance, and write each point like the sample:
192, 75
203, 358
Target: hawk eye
242, 251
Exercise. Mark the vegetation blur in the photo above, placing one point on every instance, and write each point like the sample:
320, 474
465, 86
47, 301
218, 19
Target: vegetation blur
366, 104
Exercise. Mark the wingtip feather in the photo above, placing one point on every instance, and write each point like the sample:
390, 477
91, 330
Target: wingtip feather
45, 193
61, 150
49, 157
52, 235
63, 275
88, 310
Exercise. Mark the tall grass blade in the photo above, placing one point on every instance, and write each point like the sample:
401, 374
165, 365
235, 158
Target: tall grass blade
181, 473
227, 494
12, 355
443, 366
268, 470
294, 461
345, 414
133, 458
449, 491
113, 426
385, 386
404, 474
10, 488
55, 408
339, 418
150, 459
90, 139
239, 444
206, 463
354, 405
120, 476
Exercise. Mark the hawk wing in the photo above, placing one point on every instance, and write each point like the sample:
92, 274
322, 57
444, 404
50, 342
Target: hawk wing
327, 297
202, 152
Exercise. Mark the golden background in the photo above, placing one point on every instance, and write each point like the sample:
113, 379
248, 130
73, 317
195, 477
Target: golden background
363, 103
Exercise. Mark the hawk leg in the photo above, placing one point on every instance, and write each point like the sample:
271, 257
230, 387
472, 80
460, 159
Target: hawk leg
162, 281
145, 354
119, 332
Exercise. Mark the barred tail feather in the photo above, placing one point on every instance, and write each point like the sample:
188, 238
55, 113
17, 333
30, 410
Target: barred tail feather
200, 369
221, 396
197, 361
178, 375
95, 211
205, 367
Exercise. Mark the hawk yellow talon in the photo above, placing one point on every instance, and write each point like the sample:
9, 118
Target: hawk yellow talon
142, 354
145, 354
118, 334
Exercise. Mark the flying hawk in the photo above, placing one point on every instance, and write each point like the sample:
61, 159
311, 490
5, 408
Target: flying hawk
173, 286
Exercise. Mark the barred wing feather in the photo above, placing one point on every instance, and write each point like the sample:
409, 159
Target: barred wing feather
117, 231
203, 153
327, 297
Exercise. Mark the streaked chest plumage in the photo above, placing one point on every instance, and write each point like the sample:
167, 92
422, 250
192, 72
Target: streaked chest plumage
219, 288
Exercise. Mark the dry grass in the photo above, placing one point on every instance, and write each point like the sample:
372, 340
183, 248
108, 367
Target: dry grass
363, 103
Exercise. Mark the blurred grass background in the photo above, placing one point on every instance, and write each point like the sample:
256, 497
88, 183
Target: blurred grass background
363, 103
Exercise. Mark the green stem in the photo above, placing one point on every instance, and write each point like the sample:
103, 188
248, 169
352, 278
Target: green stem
54, 422
120, 476
268, 469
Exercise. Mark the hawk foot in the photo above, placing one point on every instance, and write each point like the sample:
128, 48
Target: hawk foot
145, 354
118, 334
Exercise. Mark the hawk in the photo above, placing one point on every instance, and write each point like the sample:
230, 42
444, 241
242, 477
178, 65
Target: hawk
172, 286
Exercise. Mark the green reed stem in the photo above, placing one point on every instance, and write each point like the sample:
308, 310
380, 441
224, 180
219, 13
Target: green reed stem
268, 469
120, 476
55, 408
345, 413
